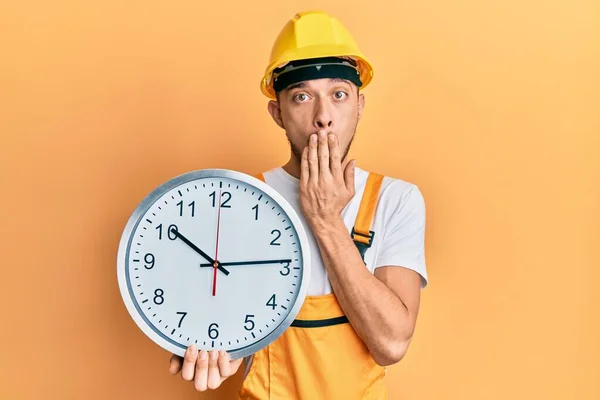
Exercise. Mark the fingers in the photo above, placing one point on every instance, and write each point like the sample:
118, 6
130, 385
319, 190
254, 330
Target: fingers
189, 362
224, 367
304, 169
313, 159
335, 161
176, 363
214, 375
201, 379
323, 150
349, 177
208, 369
234, 365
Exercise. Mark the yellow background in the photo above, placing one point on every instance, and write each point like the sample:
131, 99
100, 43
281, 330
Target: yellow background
491, 107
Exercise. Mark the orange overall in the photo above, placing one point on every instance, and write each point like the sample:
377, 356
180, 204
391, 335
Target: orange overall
320, 356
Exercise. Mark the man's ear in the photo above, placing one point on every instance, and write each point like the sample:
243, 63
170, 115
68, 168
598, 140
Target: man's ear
275, 111
361, 104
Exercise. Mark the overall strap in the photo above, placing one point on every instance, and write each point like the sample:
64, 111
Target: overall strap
361, 232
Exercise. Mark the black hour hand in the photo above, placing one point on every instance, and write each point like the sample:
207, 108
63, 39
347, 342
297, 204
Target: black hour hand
197, 249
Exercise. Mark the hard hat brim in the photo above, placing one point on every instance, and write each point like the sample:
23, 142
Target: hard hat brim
363, 65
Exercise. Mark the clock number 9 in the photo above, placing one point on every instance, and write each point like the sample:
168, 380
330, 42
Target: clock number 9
170, 234
149, 259
212, 330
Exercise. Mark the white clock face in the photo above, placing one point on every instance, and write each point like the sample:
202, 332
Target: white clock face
189, 225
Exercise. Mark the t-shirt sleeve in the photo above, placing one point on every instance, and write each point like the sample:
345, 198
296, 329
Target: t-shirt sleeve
404, 236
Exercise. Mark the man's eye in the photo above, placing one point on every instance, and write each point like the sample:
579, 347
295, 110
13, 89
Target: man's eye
340, 95
301, 97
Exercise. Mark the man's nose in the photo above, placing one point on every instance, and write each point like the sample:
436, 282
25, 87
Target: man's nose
324, 123
323, 117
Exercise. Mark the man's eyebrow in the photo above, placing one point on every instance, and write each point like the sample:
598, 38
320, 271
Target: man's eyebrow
301, 85
340, 80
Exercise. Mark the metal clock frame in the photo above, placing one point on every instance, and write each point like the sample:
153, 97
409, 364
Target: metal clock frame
125, 244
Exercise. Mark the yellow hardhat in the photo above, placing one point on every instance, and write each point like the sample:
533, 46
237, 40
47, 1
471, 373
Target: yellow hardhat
314, 34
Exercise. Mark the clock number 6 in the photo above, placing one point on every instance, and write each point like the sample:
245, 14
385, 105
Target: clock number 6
212, 330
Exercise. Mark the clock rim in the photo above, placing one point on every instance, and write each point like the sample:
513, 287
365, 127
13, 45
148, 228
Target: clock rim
135, 218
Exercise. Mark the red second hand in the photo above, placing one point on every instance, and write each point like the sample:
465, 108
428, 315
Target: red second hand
216, 265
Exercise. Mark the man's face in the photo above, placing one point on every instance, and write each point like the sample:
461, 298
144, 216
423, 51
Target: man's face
333, 105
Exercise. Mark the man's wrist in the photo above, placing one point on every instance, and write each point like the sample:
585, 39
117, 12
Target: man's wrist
328, 226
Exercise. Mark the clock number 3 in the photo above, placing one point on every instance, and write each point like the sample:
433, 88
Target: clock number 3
286, 267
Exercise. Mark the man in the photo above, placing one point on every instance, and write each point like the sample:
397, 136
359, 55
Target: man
366, 232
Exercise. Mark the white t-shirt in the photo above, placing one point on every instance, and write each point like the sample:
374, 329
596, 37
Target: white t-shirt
398, 223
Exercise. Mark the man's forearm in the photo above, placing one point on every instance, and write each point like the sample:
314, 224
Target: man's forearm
377, 315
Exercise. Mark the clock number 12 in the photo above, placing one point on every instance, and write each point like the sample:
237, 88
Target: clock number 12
223, 195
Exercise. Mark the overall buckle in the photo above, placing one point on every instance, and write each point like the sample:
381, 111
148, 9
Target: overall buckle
362, 247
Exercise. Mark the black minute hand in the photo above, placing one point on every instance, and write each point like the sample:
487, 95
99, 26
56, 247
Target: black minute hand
203, 254
250, 262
